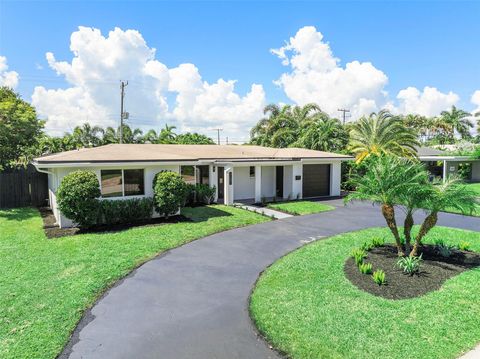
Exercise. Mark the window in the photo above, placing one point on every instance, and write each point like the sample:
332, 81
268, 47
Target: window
111, 183
134, 185
203, 174
252, 171
188, 174
118, 183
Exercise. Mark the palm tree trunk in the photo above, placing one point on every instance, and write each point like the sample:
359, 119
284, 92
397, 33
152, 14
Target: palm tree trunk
389, 214
429, 222
407, 230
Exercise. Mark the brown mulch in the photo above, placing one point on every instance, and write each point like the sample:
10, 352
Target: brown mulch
434, 271
53, 231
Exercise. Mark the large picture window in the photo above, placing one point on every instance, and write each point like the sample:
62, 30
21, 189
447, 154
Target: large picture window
118, 183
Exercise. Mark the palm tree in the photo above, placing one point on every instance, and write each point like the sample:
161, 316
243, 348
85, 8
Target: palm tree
110, 136
382, 133
457, 120
451, 194
323, 133
87, 135
386, 178
150, 137
167, 135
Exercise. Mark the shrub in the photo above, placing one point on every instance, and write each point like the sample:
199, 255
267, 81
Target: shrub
410, 265
125, 211
443, 248
205, 193
168, 192
358, 255
365, 268
77, 197
464, 246
367, 246
379, 277
189, 196
378, 242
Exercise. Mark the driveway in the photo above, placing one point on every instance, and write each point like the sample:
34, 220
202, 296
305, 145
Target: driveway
192, 302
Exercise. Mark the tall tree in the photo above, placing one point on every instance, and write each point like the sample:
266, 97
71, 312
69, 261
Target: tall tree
382, 133
194, 138
323, 133
457, 120
167, 135
20, 128
87, 135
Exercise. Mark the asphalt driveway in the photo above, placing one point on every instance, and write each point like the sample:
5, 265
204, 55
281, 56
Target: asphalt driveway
192, 302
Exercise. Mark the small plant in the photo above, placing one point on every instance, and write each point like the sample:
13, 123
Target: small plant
379, 277
464, 246
410, 265
367, 246
365, 268
264, 200
444, 249
378, 242
358, 254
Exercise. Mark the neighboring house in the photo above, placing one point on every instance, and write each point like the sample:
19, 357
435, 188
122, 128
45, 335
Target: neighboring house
442, 164
239, 173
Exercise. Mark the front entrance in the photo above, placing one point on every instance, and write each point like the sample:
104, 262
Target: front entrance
220, 184
279, 182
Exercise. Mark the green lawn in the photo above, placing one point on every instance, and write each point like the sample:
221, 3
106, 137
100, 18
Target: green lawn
475, 187
301, 207
45, 285
306, 307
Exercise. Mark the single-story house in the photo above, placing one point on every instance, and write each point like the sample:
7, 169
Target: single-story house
441, 164
239, 173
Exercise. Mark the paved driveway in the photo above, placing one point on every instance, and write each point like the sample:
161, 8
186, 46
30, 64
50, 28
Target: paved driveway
192, 302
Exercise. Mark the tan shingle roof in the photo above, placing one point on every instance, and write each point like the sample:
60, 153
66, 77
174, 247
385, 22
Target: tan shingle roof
153, 153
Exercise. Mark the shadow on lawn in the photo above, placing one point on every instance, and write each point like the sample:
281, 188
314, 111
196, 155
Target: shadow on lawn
204, 213
18, 214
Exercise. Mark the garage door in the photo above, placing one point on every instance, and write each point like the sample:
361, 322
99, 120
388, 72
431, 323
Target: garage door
316, 180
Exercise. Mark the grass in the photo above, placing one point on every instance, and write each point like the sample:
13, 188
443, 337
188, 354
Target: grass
45, 285
306, 307
475, 187
300, 207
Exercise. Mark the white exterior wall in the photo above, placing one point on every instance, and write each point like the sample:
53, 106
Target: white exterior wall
476, 171
287, 182
268, 181
213, 179
297, 185
244, 184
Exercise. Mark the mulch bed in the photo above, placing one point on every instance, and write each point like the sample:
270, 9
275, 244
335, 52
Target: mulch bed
53, 231
434, 271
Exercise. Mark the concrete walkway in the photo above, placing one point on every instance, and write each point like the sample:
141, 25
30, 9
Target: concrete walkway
264, 210
192, 302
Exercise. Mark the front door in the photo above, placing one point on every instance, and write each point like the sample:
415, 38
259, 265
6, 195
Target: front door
279, 182
220, 183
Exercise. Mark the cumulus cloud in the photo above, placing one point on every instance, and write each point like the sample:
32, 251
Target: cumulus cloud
429, 102
475, 99
7, 78
316, 76
100, 62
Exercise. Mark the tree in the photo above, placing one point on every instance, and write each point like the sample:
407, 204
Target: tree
451, 194
167, 135
457, 120
169, 191
323, 133
19, 128
282, 126
382, 133
110, 135
87, 135
387, 180
194, 138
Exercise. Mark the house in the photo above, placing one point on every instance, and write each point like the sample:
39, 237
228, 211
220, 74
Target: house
441, 164
239, 173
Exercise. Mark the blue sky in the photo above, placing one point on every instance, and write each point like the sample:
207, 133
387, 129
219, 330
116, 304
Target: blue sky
413, 43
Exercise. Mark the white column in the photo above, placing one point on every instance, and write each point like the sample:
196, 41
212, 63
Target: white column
297, 180
213, 179
228, 183
335, 178
444, 170
258, 184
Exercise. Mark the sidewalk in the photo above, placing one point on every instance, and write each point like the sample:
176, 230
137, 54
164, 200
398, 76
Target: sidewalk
263, 210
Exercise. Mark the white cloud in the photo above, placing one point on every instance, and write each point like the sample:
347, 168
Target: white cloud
429, 102
100, 62
7, 78
475, 99
316, 76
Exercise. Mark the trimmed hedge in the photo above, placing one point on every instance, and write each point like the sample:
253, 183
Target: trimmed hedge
77, 197
169, 192
125, 210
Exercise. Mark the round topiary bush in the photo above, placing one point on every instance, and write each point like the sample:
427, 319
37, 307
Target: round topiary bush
169, 191
77, 197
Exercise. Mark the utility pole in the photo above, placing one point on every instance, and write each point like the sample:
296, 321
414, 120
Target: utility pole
122, 113
218, 134
344, 114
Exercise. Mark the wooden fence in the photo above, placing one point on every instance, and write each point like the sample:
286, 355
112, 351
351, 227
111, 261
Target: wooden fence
23, 187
